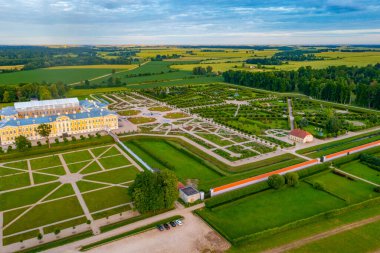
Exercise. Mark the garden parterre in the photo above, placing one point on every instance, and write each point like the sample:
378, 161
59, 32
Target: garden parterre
33, 189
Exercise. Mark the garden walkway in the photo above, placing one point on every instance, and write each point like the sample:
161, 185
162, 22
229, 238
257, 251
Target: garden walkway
291, 118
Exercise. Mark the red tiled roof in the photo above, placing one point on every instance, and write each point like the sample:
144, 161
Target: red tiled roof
180, 185
299, 133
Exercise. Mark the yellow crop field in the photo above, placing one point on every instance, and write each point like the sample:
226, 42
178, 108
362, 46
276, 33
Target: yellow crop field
18, 67
104, 66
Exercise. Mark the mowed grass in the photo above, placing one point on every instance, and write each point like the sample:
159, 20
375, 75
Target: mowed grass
114, 161
105, 198
14, 181
66, 75
45, 162
44, 214
361, 239
269, 209
77, 156
351, 191
141, 120
117, 176
185, 166
361, 170
104, 66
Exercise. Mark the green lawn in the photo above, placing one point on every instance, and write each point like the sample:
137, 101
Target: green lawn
114, 162
99, 151
351, 191
361, 239
14, 181
105, 198
185, 166
77, 156
46, 213
45, 162
361, 170
269, 209
115, 176
215, 139
24, 197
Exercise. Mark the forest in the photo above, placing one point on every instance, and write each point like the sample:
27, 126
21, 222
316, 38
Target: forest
25, 92
341, 84
33, 57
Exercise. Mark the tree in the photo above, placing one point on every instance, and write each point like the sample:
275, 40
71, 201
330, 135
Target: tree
44, 130
6, 97
276, 181
292, 178
22, 143
154, 191
209, 69
44, 93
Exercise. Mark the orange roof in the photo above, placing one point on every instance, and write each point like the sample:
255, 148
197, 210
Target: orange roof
247, 180
299, 133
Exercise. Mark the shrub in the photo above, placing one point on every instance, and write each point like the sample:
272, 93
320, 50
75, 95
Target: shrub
39, 143
90, 136
9, 149
73, 138
56, 140
65, 140
319, 186
39, 236
292, 178
377, 189
82, 137
57, 231
276, 181
98, 135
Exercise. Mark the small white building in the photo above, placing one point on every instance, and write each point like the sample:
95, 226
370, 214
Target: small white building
189, 194
301, 136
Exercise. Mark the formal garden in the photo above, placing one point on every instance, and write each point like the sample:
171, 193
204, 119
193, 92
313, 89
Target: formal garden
93, 178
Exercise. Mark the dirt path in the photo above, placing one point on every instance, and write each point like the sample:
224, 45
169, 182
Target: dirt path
310, 239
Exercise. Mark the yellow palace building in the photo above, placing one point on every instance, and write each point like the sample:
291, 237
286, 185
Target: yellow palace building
66, 116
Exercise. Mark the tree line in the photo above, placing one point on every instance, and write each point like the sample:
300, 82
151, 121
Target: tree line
33, 57
25, 92
341, 84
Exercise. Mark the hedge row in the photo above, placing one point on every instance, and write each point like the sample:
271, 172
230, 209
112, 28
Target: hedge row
302, 222
56, 148
354, 156
236, 194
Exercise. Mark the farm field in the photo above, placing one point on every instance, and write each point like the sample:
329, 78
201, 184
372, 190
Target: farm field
269, 209
33, 189
65, 75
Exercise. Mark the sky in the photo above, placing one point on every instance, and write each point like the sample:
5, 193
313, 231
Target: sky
189, 22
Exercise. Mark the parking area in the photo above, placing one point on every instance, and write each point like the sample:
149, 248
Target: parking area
193, 236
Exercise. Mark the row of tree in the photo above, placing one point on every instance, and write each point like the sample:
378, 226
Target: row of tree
202, 70
25, 92
33, 57
340, 84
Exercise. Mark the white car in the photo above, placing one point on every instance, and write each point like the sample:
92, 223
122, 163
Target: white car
179, 222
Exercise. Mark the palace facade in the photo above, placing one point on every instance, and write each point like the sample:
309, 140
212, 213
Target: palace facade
66, 116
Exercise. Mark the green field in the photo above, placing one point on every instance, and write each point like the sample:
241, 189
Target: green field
361, 239
65, 75
269, 209
361, 170
167, 156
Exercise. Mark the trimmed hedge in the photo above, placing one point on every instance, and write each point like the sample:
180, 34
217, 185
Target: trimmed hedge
34, 151
236, 194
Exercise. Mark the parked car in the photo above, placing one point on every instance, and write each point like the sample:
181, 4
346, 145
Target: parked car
179, 222
160, 227
173, 224
166, 225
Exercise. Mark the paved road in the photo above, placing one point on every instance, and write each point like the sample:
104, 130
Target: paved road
313, 238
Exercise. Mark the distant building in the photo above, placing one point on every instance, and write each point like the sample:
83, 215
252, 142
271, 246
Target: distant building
299, 135
66, 116
189, 194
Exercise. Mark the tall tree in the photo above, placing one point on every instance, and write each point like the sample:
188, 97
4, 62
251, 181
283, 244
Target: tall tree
22, 143
154, 191
44, 130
